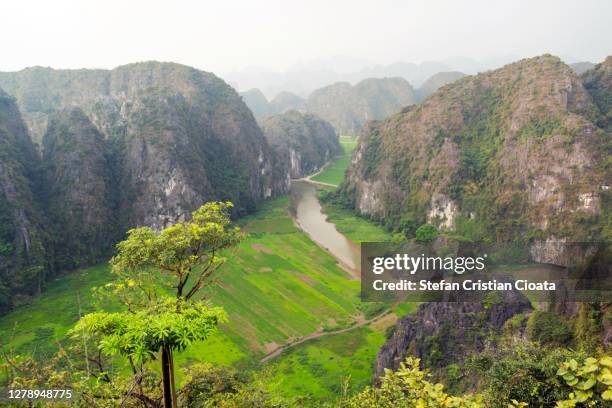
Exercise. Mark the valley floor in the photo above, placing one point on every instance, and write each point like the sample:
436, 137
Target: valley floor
333, 174
279, 289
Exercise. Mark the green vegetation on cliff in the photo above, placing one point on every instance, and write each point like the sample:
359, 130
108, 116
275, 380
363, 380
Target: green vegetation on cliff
348, 107
303, 142
515, 151
81, 196
25, 253
142, 144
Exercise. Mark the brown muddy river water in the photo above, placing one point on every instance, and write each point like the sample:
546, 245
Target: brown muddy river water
310, 218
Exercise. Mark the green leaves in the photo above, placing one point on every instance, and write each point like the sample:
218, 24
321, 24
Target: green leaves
172, 322
181, 257
587, 380
150, 264
408, 387
426, 233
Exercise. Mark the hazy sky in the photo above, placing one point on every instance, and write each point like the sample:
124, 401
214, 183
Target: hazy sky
228, 35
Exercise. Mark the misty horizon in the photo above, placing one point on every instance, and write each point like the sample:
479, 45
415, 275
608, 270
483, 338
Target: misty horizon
275, 37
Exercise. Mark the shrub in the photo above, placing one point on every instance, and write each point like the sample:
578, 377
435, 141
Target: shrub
520, 371
408, 387
547, 328
426, 233
208, 386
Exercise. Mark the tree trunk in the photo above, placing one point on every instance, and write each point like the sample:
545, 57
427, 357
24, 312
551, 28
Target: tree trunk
168, 378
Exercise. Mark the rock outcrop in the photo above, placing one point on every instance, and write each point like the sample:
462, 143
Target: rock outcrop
598, 82
348, 107
179, 136
443, 333
303, 142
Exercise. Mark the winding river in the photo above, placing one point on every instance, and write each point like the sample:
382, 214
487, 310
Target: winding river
310, 218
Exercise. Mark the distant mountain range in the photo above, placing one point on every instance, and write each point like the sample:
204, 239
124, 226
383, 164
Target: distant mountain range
304, 78
347, 107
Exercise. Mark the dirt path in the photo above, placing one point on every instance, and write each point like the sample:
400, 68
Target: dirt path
310, 180
280, 349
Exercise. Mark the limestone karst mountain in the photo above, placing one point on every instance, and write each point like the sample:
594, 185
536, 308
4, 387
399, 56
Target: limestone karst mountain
345, 106
582, 67
282, 102
304, 142
518, 153
88, 154
348, 107
285, 101
257, 103
174, 130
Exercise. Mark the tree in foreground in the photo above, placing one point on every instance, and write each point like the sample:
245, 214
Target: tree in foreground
159, 275
170, 325
181, 258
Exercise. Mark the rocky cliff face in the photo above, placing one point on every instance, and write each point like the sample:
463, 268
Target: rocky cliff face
303, 142
444, 333
180, 136
23, 265
516, 153
348, 107
82, 195
143, 144
598, 82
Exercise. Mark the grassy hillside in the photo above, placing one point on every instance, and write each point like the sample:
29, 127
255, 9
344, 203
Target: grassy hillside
334, 173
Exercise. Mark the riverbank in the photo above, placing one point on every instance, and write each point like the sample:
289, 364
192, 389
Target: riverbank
309, 217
